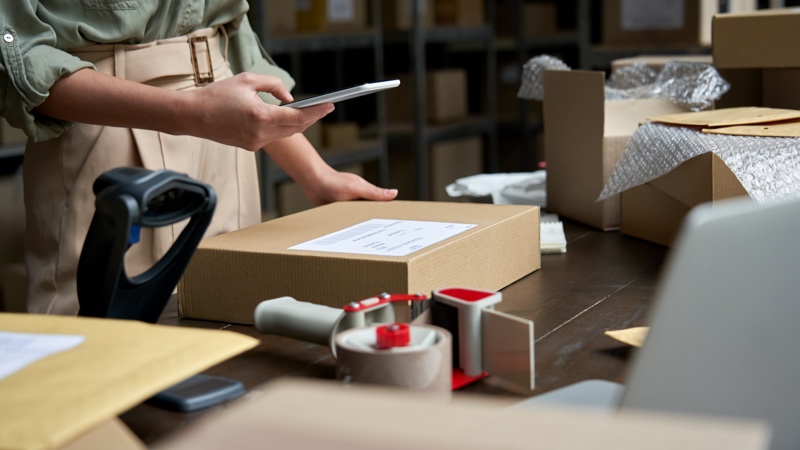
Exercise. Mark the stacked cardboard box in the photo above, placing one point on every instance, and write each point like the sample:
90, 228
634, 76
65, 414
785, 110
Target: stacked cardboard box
446, 96
330, 15
397, 14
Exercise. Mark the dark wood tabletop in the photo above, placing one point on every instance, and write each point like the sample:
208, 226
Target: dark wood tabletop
605, 281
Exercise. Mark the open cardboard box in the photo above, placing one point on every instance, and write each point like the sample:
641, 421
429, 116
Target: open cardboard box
231, 274
654, 211
585, 136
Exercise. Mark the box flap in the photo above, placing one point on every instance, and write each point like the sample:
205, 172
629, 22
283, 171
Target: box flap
756, 40
727, 117
119, 364
623, 117
790, 128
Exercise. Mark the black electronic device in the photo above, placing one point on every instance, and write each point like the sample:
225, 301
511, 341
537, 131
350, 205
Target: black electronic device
128, 199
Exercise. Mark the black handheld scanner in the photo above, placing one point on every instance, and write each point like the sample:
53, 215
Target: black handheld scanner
127, 199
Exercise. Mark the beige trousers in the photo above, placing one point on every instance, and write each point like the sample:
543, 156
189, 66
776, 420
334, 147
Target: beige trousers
59, 173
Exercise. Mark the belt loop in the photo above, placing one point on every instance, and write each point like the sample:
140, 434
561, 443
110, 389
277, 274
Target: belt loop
119, 61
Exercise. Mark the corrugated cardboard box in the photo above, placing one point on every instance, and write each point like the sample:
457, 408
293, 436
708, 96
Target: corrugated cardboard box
460, 13
453, 159
585, 136
232, 273
654, 211
756, 40
751, 52
397, 14
331, 15
281, 17
339, 134
446, 96
282, 414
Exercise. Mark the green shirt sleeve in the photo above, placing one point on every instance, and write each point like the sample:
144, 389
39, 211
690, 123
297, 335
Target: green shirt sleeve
246, 54
29, 65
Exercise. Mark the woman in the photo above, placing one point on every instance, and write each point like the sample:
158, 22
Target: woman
179, 84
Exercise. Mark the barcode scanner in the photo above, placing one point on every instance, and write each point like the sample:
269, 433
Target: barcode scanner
128, 199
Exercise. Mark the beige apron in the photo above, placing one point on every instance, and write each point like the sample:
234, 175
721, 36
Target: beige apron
59, 173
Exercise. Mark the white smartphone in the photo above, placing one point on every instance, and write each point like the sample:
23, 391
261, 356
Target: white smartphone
344, 94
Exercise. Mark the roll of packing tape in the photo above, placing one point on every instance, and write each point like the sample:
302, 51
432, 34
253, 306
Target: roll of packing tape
425, 364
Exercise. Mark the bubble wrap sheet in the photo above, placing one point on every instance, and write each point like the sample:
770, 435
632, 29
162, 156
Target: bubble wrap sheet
691, 84
767, 167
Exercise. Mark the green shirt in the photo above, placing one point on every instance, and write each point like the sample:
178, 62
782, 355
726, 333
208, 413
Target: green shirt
35, 34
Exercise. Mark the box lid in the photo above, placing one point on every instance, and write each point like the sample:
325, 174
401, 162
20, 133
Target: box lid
757, 40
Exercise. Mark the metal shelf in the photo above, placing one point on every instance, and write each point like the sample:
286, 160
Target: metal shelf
320, 42
443, 35
439, 132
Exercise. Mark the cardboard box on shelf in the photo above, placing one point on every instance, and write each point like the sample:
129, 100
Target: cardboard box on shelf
459, 13
446, 98
453, 159
331, 15
654, 211
281, 17
339, 134
762, 69
490, 247
397, 14
585, 136
539, 19
657, 22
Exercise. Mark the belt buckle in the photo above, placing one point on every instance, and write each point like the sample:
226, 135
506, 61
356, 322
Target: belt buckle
199, 79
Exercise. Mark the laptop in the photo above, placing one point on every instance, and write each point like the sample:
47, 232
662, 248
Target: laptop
725, 329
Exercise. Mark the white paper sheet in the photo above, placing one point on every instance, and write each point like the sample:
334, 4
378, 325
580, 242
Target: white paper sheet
385, 237
18, 350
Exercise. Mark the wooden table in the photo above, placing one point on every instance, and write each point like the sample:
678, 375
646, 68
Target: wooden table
605, 281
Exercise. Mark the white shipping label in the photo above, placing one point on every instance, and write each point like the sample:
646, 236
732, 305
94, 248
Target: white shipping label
341, 10
385, 237
638, 15
18, 350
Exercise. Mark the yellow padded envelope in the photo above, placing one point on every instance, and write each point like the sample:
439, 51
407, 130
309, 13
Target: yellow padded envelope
119, 364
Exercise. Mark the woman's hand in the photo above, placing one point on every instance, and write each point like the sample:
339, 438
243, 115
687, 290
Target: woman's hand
231, 112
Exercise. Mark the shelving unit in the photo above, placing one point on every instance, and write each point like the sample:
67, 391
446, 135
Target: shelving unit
291, 46
421, 134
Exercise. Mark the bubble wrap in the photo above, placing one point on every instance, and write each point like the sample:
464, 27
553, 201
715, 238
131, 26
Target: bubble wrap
532, 84
691, 84
767, 167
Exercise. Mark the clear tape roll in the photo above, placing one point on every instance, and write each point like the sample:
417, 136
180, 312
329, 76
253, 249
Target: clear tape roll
424, 365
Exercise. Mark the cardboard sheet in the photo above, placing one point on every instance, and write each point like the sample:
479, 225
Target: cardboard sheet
631, 336
789, 128
727, 117
120, 364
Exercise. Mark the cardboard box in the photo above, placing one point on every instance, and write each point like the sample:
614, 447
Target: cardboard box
756, 40
453, 159
658, 62
232, 273
331, 15
282, 414
651, 21
339, 134
446, 97
585, 136
655, 210
281, 17
459, 13
397, 14
539, 19
751, 53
